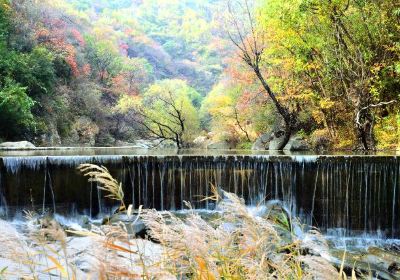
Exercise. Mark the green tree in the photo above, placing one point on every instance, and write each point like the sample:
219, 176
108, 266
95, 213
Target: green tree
167, 111
104, 59
15, 110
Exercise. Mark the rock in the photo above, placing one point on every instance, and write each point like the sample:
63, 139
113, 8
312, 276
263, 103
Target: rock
262, 142
297, 143
276, 141
273, 140
201, 142
394, 268
134, 224
363, 263
220, 145
22, 145
145, 144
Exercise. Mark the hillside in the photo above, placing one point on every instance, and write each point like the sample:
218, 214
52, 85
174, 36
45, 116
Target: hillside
90, 54
245, 74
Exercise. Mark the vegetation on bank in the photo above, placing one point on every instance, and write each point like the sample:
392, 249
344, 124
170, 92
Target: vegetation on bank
91, 72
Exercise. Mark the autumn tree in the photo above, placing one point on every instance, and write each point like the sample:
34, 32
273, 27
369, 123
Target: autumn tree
104, 59
345, 56
250, 41
167, 112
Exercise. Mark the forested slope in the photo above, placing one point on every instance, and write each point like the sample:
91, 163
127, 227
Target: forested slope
68, 64
98, 72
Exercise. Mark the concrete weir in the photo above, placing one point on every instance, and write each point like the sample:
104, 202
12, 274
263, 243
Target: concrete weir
357, 194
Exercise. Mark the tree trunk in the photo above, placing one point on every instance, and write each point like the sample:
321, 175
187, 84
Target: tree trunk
286, 138
365, 134
289, 119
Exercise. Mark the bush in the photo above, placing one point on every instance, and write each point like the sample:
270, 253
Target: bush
321, 140
15, 109
245, 146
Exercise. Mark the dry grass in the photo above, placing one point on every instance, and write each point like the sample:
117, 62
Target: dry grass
238, 245
101, 176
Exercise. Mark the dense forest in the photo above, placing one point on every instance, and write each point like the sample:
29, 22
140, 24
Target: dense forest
105, 73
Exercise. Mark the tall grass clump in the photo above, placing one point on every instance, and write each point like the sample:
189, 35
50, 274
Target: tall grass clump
237, 245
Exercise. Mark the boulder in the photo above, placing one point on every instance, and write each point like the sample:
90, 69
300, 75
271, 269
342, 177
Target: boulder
276, 140
22, 145
297, 143
262, 142
201, 142
145, 144
273, 140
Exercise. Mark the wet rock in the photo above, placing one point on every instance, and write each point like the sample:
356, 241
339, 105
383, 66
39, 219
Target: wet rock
394, 268
201, 142
276, 140
21, 145
134, 224
387, 259
262, 142
363, 263
297, 143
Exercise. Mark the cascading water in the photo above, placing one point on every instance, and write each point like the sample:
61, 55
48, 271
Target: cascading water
352, 194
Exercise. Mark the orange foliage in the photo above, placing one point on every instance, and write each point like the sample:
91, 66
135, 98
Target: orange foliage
55, 36
78, 37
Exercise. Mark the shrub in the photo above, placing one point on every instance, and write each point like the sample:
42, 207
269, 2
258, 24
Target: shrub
321, 140
15, 109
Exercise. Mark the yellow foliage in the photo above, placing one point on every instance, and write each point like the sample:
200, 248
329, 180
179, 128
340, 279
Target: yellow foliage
326, 103
127, 102
318, 116
387, 132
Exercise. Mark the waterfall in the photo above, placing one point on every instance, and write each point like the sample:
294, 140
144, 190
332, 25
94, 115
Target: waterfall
3, 201
350, 194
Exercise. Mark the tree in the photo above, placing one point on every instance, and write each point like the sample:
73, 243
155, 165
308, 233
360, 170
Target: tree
250, 43
230, 113
103, 58
345, 55
15, 110
166, 111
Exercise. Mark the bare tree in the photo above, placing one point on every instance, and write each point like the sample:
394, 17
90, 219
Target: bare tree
241, 127
251, 45
171, 128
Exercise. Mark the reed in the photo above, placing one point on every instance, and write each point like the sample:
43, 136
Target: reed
105, 181
238, 245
